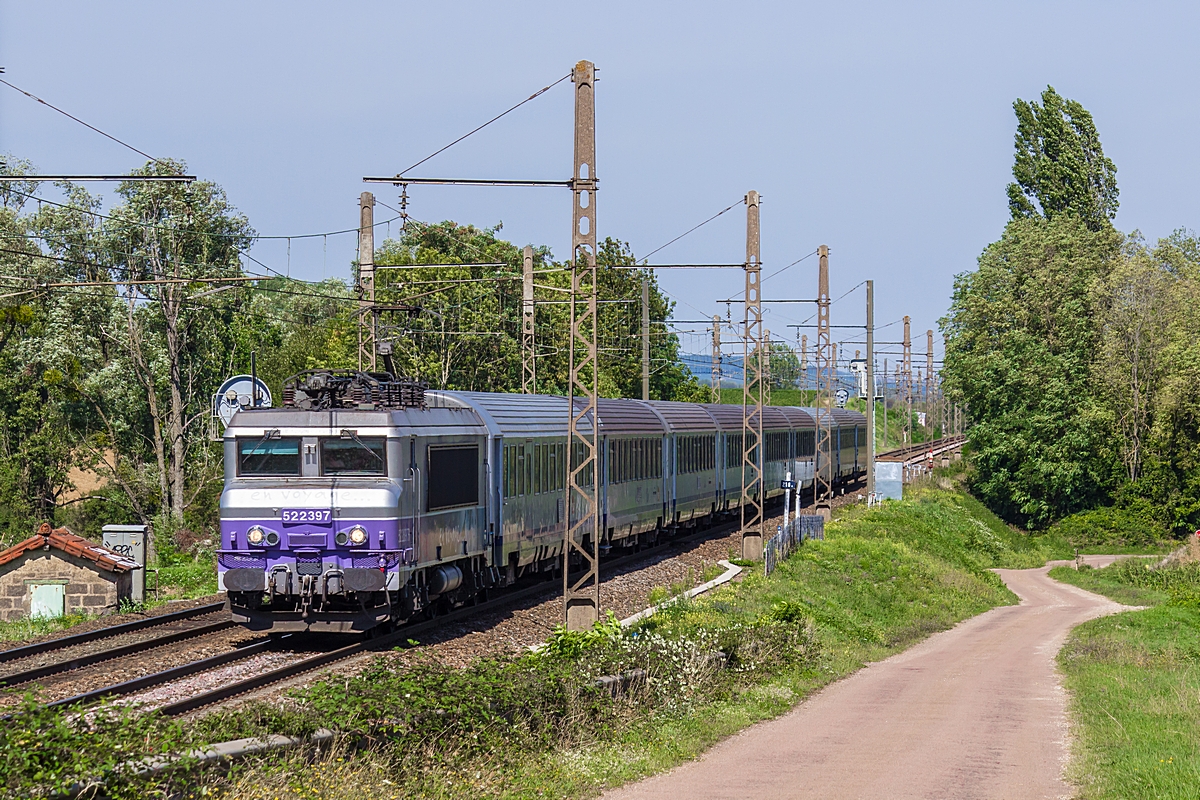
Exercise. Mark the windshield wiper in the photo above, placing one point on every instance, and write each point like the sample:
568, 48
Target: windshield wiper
273, 433
346, 433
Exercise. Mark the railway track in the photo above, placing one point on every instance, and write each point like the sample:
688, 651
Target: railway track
916, 452
64, 642
109, 654
250, 683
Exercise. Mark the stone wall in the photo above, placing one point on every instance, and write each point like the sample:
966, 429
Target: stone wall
89, 590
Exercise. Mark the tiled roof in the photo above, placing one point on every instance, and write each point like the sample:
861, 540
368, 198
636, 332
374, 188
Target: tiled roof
62, 539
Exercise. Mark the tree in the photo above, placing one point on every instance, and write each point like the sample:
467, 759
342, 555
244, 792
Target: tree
464, 327
785, 366
1060, 167
1022, 335
1135, 310
1148, 373
164, 235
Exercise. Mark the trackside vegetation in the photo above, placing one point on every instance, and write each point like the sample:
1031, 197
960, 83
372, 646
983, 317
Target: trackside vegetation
1073, 348
1134, 680
524, 724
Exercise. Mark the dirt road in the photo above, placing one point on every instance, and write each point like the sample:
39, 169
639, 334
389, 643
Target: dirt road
973, 712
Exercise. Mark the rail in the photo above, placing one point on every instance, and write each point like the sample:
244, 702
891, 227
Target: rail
104, 633
158, 678
387, 641
71, 664
921, 451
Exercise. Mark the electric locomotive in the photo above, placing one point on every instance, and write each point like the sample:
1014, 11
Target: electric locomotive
367, 500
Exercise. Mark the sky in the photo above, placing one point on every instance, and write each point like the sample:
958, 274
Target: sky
884, 131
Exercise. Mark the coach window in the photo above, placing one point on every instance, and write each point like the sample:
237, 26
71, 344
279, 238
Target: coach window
453, 477
354, 455
733, 450
536, 452
277, 457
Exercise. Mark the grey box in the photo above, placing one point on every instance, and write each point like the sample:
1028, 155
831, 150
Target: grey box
129, 541
889, 480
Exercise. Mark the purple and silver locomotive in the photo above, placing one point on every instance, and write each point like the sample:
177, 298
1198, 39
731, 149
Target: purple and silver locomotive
365, 500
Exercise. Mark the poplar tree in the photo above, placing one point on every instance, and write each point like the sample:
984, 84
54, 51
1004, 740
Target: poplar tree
1060, 167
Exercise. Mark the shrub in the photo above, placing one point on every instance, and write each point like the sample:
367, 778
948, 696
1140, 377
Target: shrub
1116, 527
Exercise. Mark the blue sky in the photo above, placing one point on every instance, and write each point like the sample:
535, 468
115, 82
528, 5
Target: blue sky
882, 130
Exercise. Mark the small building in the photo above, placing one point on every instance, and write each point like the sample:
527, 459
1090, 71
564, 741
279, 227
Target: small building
55, 572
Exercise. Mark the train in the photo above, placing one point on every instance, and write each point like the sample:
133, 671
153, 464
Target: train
365, 501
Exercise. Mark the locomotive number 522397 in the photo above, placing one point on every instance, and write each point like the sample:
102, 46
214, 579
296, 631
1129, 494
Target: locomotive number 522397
319, 516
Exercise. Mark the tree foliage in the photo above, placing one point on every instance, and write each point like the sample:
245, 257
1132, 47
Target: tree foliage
1060, 167
463, 329
105, 389
1020, 353
1074, 347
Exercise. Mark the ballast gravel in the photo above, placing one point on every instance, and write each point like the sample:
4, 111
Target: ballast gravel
202, 682
148, 635
152, 659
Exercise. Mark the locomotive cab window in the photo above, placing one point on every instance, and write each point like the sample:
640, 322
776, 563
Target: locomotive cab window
268, 457
354, 456
453, 477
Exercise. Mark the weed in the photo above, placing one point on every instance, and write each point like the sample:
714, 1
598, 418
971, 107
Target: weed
29, 628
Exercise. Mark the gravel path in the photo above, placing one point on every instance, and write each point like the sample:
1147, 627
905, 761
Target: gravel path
974, 712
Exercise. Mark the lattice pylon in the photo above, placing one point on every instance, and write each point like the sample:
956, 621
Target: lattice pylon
581, 593
766, 367
823, 485
927, 389
716, 359
753, 523
366, 282
908, 382
528, 340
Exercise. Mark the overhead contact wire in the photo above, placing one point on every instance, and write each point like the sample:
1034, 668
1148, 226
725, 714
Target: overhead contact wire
84, 124
536, 94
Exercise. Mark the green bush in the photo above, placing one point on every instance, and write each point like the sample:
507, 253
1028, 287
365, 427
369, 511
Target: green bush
1116, 527
55, 752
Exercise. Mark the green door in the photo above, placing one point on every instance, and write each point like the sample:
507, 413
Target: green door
47, 599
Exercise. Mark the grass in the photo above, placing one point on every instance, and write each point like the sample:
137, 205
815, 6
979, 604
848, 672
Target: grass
1107, 583
1134, 680
882, 580
186, 580
535, 725
21, 630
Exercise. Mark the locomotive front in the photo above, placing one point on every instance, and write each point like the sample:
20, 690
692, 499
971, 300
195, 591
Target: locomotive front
311, 534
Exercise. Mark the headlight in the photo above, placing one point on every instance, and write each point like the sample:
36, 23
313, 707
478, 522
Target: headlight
255, 535
358, 534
